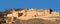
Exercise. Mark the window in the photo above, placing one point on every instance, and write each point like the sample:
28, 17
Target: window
20, 14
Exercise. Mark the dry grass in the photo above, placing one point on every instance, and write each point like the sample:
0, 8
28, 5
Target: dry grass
36, 21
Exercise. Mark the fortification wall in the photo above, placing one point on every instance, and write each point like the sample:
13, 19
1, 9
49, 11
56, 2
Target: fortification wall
33, 13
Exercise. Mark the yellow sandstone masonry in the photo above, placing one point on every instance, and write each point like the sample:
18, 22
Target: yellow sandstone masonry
26, 14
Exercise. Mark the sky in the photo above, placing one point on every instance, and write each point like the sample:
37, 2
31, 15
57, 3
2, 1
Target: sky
8, 4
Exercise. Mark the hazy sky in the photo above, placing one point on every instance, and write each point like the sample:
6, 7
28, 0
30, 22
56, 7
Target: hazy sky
8, 4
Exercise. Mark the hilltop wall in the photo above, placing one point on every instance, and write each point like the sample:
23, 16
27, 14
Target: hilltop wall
33, 13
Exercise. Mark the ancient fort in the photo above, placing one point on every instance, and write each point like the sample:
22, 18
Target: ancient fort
9, 16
